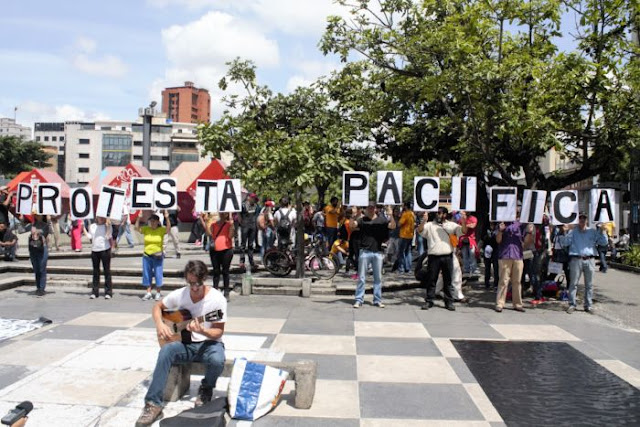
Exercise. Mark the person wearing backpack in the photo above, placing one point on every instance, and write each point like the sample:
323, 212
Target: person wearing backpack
285, 219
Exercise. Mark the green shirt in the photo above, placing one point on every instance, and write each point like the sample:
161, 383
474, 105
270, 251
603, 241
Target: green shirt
153, 239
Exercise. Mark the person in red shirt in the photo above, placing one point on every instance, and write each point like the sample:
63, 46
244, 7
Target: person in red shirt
221, 250
468, 246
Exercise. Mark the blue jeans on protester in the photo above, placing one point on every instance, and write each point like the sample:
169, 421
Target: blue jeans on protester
420, 244
152, 267
39, 264
268, 238
602, 253
468, 259
374, 259
209, 352
577, 267
404, 255
126, 230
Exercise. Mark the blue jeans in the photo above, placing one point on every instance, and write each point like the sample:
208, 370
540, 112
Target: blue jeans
577, 267
374, 259
126, 230
209, 352
152, 267
469, 264
534, 276
39, 264
602, 253
404, 255
420, 244
267, 241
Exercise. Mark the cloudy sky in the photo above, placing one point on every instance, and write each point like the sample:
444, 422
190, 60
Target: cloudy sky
96, 59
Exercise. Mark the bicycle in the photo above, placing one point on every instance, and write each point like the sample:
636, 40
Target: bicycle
281, 261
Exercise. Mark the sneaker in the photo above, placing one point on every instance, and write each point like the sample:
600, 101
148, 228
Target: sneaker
204, 395
150, 414
571, 309
450, 307
378, 304
146, 297
588, 310
158, 296
40, 293
178, 255
92, 296
427, 305
107, 296
357, 304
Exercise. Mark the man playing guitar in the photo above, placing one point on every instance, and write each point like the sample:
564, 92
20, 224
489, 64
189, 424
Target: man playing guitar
200, 341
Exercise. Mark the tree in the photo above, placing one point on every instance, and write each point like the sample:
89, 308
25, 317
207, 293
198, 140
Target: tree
17, 155
280, 143
446, 80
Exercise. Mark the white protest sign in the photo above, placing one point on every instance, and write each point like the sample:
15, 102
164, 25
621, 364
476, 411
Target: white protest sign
229, 195
426, 193
464, 192
142, 190
111, 202
165, 195
503, 203
355, 188
81, 203
24, 199
206, 196
49, 199
533, 202
564, 207
603, 205
389, 188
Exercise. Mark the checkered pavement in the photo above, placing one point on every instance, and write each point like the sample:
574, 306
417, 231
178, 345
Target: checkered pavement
375, 366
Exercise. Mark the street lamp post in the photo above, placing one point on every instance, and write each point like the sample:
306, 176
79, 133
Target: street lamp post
147, 116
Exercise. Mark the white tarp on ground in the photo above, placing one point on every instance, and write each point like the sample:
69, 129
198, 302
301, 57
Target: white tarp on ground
10, 328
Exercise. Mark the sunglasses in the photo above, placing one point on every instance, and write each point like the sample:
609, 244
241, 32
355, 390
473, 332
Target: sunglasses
198, 284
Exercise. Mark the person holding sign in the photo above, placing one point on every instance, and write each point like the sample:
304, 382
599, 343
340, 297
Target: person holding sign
510, 239
39, 251
582, 243
153, 257
374, 230
220, 234
100, 235
437, 234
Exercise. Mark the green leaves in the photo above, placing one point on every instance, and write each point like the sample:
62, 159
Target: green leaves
17, 155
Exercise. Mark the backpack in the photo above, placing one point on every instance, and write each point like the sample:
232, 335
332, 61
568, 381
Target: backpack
284, 224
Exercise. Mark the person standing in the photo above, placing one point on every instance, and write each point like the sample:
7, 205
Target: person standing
99, 234
248, 224
469, 247
265, 227
204, 345
407, 228
491, 256
124, 227
153, 257
77, 229
582, 243
39, 251
437, 234
174, 233
220, 233
374, 230
331, 212
511, 238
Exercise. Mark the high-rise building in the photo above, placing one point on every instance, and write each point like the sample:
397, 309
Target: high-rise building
9, 127
51, 135
187, 104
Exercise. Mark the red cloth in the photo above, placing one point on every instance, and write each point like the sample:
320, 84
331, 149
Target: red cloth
224, 240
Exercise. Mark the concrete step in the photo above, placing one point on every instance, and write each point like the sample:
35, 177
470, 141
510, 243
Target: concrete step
283, 290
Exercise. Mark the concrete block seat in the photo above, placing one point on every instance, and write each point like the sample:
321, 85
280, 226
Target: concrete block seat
302, 372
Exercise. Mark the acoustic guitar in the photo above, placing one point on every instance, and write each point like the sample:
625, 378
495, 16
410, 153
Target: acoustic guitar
177, 321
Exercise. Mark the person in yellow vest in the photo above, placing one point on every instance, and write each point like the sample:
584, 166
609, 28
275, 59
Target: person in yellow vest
407, 226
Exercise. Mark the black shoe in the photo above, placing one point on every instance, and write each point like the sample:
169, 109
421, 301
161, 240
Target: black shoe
40, 293
427, 305
450, 307
178, 255
520, 309
204, 395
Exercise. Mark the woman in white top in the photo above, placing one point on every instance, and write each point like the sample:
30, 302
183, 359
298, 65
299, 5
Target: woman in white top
100, 234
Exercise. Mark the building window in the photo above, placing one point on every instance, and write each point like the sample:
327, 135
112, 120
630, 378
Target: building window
61, 138
46, 138
137, 143
116, 150
177, 158
83, 155
83, 170
84, 141
37, 137
123, 128
137, 157
88, 126
54, 138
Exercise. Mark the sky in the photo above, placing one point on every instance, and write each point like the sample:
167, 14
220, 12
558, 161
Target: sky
102, 60
95, 59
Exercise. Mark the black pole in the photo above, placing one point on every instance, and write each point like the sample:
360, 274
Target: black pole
147, 116
299, 235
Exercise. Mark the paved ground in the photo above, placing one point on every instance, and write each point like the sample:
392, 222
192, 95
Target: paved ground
392, 366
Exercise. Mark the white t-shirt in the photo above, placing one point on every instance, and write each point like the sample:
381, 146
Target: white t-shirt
437, 236
99, 237
213, 300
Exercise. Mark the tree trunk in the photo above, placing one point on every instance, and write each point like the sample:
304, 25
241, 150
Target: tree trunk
322, 191
299, 235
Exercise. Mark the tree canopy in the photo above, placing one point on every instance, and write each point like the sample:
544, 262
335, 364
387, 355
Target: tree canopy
485, 85
17, 155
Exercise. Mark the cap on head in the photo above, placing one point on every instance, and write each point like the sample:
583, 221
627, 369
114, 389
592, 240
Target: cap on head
582, 214
253, 196
154, 217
